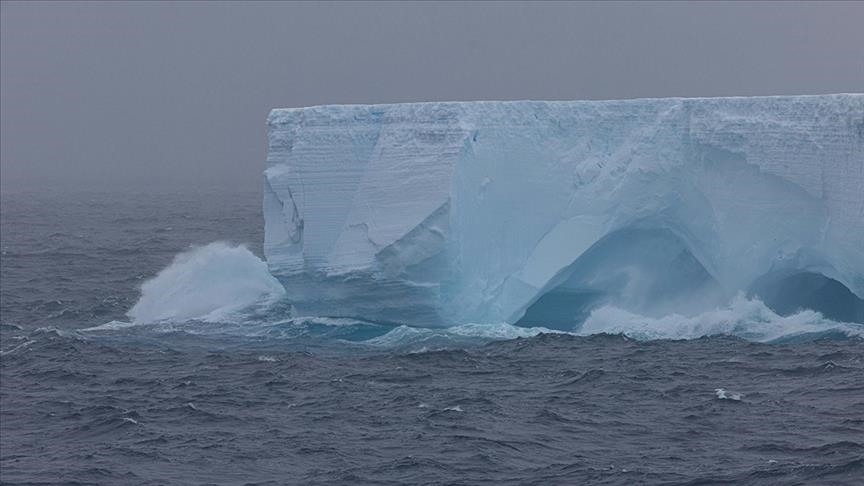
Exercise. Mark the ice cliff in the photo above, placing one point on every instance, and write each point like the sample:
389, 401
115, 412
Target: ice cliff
537, 212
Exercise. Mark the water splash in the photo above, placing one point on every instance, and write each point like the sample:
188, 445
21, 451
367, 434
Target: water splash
746, 318
209, 283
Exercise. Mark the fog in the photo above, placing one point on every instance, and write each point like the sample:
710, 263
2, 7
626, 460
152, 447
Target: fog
163, 94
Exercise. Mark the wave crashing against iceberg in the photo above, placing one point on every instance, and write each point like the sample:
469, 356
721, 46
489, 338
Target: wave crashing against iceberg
546, 213
208, 283
226, 290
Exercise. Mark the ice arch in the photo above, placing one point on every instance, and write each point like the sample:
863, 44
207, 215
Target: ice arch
650, 271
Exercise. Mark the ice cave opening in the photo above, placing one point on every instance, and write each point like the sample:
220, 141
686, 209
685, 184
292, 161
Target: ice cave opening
651, 271
790, 291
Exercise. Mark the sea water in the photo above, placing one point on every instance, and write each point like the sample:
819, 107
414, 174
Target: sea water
143, 342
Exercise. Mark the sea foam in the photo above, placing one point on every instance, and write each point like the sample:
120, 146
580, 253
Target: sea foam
748, 318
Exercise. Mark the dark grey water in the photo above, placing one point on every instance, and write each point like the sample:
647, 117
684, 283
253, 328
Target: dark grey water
280, 401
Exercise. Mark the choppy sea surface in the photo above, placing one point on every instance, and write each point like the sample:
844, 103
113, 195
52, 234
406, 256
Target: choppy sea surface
135, 350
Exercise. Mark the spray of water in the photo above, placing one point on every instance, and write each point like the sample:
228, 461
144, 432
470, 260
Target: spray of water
743, 317
207, 283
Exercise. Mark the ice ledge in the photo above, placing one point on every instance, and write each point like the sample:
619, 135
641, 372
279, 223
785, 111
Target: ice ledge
740, 187
324, 114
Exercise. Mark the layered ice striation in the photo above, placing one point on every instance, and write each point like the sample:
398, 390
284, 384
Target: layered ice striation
536, 213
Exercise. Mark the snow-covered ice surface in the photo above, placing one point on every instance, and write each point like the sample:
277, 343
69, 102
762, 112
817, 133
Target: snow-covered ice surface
539, 213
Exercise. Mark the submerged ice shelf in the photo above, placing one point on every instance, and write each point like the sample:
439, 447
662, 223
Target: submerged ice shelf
536, 213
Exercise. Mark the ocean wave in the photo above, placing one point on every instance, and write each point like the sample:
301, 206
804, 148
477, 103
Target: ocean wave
743, 317
209, 283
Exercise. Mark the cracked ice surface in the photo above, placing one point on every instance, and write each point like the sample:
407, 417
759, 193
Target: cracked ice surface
443, 213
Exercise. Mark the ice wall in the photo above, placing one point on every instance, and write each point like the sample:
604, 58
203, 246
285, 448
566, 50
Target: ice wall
442, 213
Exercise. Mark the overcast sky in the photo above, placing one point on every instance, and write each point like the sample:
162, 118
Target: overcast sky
95, 94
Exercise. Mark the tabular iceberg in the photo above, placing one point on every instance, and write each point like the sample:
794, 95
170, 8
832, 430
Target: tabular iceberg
434, 214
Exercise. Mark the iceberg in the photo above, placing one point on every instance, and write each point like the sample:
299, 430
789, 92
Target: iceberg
536, 213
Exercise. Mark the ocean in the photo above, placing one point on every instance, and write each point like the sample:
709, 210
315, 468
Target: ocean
204, 384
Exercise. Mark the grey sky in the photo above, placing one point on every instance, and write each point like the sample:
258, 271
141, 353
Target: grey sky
98, 93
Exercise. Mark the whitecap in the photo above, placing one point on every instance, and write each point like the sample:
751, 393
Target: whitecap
23, 345
109, 326
743, 317
461, 334
723, 394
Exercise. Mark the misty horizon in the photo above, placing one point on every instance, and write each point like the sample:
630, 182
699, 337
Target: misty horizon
158, 95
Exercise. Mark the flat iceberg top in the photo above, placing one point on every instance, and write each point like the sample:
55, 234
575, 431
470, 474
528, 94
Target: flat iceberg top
346, 113
453, 212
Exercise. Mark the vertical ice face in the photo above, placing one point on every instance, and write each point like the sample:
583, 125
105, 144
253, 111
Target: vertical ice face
440, 213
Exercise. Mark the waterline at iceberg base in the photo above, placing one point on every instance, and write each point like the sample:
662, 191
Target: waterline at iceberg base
538, 213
